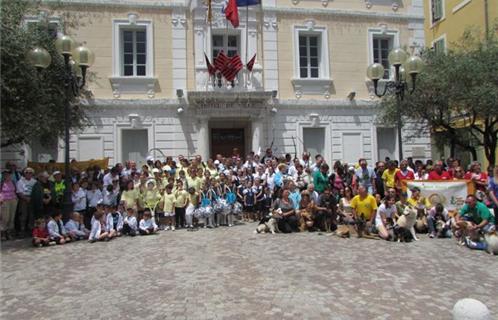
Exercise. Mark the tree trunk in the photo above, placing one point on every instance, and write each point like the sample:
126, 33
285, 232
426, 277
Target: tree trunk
473, 151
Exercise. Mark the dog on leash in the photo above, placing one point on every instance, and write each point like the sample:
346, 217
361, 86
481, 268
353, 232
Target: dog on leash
404, 229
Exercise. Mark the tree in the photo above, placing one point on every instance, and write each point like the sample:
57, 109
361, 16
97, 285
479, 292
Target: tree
456, 97
33, 102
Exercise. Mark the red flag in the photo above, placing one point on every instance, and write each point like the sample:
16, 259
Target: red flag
211, 68
232, 13
221, 61
251, 62
232, 68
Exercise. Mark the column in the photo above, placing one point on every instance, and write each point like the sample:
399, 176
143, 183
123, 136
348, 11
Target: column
203, 138
257, 134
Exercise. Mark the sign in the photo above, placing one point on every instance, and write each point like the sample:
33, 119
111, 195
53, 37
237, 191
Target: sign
59, 166
451, 194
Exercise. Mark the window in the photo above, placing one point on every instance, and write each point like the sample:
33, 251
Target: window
381, 48
52, 25
134, 52
437, 10
228, 43
439, 45
309, 59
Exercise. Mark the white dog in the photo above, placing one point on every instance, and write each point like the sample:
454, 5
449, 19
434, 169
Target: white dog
492, 241
270, 225
407, 222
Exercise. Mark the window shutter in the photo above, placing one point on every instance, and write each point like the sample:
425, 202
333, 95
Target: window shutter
437, 10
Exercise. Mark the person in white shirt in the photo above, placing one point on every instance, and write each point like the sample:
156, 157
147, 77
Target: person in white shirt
78, 197
56, 230
76, 228
24, 188
147, 225
130, 224
98, 232
386, 211
109, 177
114, 222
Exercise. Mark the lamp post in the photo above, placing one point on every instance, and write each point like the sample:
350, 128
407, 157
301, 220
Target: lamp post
403, 65
76, 61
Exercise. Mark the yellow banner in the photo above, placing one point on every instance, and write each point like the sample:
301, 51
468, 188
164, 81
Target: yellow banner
59, 166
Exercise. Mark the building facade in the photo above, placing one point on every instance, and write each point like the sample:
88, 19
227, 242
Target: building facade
445, 23
308, 89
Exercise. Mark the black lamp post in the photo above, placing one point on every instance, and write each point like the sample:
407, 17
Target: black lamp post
403, 65
76, 62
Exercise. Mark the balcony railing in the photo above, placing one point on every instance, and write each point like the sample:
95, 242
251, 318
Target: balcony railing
245, 81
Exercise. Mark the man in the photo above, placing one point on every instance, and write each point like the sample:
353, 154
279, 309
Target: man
268, 156
438, 173
109, 177
379, 184
59, 187
478, 214
313, 194
403, 174
320, 178
24, 189
306, 161
318, 163
388, 175
366, 176
364, 204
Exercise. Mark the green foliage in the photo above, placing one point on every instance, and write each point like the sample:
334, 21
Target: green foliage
32, 102
456, 96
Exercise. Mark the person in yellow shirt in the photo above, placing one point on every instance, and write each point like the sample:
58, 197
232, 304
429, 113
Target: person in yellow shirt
364, 204
181, 202
151, 198
389, 175
169, 207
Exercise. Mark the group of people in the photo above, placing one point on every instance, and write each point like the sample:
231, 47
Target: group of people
302, 193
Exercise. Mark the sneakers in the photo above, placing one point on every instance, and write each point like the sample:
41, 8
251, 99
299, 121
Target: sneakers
432, 235
172, 228
166, 228
230, 225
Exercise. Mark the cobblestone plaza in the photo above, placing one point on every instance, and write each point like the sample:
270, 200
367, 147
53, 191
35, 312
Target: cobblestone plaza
232, 273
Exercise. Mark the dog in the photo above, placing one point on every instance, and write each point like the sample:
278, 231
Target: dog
269, 223
461, 230
404, 229
421, 225
306, 220
492, 242
362, 230
344, 231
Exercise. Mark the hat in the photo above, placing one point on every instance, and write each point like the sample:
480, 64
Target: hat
351, 168
100, 202
56, 173
149, 158
415, 189
156, 170
28, 169
216, 162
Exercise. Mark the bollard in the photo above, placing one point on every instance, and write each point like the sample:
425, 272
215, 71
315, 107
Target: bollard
470, 309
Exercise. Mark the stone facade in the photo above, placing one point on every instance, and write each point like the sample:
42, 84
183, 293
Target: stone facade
177, 108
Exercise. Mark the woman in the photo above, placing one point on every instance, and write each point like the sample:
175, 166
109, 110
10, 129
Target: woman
288, 221
8, 202
385, 212
212, 169
475, 174
307, 210
345, 209
335, 179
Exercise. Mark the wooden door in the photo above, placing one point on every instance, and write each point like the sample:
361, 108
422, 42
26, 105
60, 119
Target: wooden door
223, 141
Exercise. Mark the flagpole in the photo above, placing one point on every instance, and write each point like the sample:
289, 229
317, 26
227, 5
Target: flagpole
247, 44
212, 78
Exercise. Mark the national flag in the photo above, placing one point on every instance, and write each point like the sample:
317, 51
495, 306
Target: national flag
251, 62
245, 3
221, 61
209, 12
232, 13
232, 68
211, 68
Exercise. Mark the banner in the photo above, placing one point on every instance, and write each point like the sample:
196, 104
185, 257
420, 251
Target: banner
451, 194
59, 166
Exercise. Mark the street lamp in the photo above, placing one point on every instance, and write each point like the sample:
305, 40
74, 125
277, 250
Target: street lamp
403, 65
76, 61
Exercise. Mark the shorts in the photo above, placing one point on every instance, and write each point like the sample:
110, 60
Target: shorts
169, 214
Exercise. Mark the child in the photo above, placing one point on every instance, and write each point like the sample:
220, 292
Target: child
181, 202
266, 202
231, 198
110, 195
206, 202
40, 234
193, 201
76, 228
258, 191
147, 225
169, 208
93, 196
56, 230
151, 198
98, 232
130, 226
249, 201
114, 223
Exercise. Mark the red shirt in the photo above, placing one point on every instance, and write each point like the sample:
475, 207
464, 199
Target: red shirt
398, 176
482, 177
433, 175
40, 233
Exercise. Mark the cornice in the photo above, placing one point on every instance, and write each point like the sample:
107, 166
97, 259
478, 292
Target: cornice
120, 3
342, 13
